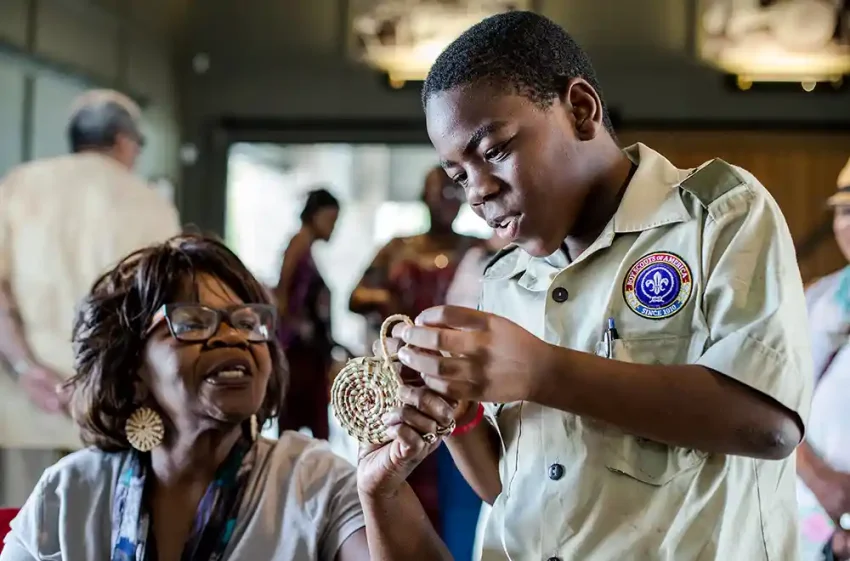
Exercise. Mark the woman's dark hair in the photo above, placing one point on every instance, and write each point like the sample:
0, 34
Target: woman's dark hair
317, 199
110, 330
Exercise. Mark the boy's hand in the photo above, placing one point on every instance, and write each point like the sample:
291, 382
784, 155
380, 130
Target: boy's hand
491, 359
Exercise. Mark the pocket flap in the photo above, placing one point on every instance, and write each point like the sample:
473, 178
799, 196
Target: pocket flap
650, 462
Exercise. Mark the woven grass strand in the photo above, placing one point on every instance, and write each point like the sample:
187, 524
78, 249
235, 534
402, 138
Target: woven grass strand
366, 388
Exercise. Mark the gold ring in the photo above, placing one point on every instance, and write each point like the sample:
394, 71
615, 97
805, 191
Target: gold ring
447, 430
431, 437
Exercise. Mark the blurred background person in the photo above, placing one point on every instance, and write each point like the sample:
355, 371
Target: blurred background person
63, 222
466, 284
413, 273
407, 276
823, 460
304, 308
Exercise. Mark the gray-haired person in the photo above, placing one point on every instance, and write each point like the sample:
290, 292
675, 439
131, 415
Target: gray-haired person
63, 222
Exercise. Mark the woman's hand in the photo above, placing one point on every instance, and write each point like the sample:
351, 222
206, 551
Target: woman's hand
382, 469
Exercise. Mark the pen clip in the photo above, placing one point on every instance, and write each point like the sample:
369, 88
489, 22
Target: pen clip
610, 331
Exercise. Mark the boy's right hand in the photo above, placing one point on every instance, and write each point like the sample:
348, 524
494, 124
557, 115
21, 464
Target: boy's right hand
421, 395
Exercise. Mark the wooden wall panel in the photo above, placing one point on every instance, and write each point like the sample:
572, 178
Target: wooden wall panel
799, 169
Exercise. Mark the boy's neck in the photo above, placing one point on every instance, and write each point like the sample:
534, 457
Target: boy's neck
602, 202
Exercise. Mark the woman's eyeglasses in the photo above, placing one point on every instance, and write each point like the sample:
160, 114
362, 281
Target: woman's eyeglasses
195, 323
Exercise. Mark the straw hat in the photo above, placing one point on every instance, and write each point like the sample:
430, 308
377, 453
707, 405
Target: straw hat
842, 196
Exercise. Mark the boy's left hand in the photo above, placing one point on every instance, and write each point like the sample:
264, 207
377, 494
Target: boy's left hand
492, 359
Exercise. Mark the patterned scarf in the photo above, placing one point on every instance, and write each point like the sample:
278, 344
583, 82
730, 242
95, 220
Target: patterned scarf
214, 520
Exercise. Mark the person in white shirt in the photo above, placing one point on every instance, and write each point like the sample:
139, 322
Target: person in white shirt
63, 222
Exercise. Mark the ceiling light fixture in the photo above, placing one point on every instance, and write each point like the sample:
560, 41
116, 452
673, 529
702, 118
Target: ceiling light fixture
804, 41
403, 38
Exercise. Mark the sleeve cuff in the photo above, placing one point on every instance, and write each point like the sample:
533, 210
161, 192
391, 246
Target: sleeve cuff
342, 533
749, 361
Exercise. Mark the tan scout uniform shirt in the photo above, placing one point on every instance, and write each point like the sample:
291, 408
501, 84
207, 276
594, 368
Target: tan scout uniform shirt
695, 268
64, 222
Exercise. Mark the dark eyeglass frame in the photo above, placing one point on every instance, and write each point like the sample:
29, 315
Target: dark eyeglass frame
221, 315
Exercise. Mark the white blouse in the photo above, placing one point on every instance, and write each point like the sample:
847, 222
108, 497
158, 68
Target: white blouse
301, 504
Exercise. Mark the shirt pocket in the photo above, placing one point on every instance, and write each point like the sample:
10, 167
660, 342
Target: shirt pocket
644, 460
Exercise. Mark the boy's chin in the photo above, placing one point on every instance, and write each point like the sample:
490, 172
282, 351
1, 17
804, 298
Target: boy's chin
537, 247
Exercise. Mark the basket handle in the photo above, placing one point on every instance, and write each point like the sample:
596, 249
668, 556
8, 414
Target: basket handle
385, 333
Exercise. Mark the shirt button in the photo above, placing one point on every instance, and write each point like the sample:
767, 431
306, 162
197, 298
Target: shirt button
556, 472
560, 294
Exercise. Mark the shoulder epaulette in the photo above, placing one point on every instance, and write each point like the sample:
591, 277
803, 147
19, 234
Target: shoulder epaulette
711, 181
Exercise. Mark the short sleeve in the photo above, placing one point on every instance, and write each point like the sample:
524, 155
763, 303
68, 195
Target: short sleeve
344, 513
753, 298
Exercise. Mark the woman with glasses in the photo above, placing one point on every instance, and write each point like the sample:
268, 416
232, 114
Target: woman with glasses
178, 367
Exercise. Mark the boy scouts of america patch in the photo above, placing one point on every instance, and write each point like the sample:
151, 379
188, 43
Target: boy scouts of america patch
658, 285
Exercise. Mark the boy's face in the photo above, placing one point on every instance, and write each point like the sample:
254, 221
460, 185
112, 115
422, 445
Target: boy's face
525, 169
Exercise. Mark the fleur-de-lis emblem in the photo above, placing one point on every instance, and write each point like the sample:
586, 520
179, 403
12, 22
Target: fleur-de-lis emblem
656, 284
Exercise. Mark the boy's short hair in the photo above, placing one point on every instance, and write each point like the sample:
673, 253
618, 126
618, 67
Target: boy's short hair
521, 52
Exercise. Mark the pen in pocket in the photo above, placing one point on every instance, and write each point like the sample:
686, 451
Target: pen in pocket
611, 335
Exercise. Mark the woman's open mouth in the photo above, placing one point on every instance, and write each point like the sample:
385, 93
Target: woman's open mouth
230, 373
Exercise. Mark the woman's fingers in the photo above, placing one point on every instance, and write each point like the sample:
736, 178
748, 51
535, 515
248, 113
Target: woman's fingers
408, 445
429, 403
409, 416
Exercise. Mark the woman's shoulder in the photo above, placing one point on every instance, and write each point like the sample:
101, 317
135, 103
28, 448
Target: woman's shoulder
300, 493
87, 468
81, 484
299, 471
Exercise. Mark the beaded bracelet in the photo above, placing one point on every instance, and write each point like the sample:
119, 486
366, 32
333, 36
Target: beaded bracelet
465, 428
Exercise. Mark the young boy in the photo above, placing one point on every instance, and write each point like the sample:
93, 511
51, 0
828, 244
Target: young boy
641, 347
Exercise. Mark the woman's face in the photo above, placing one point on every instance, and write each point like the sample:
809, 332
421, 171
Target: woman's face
324, 222
185, 378
841, 227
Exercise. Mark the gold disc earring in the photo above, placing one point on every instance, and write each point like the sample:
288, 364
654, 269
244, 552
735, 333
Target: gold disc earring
144, 429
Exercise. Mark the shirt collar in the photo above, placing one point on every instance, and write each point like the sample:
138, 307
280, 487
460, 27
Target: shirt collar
652, 198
